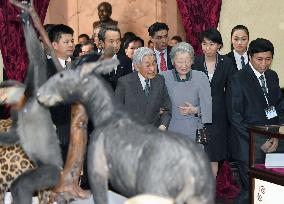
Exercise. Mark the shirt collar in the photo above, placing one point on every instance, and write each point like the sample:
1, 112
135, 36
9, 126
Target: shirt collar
158, 52
62, 61
177, 78
114, 56
142, 80
238, 56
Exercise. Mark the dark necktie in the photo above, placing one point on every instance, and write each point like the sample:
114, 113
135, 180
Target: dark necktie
263, 86
147, 88
163, 65
66, 63
243, 62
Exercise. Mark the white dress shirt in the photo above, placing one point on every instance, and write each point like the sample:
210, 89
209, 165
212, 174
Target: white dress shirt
257, 74
62, 62
238, 59
142, 80
115, 68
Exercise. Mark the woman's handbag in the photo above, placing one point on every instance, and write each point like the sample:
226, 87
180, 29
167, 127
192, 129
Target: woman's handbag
202, 136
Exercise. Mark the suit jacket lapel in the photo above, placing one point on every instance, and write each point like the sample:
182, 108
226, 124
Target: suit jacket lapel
232, 57
255, 84
138, 91
169, 63
218, 69
153, 92
201, 65
269, 83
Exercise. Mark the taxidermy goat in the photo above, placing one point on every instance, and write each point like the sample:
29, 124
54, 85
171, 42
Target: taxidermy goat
32, 126
135, 159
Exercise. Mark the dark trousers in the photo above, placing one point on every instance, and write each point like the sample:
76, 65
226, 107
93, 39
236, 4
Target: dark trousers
243, 174
243, 166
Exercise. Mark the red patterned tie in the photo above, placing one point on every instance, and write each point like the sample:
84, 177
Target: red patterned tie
163, 65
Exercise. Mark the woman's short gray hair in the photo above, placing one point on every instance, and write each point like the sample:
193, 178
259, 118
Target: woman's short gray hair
140, 53
182, 47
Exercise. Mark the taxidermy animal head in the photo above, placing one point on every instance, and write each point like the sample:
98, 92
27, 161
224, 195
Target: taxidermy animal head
69, 85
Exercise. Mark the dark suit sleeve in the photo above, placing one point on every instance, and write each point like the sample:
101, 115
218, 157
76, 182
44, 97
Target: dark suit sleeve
230, 71
236, 108
169, 62
280, 106
280, 111
120, 91
166, 104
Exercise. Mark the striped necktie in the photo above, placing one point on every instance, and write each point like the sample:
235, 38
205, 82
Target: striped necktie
163, 65
147, 88
243, 62
263, 85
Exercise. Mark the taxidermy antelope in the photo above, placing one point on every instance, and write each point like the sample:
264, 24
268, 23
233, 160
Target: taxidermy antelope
32, 126
68, 187
135, 159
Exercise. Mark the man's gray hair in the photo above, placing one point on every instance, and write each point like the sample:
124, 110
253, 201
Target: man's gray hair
182, 47
140, 53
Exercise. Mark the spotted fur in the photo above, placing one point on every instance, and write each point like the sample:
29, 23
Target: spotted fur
13, 162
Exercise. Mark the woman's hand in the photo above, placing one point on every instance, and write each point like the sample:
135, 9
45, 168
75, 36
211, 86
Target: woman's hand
187, 109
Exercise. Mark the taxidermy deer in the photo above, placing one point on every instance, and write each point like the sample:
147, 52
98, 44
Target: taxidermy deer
135, 159
32, 126
68, 186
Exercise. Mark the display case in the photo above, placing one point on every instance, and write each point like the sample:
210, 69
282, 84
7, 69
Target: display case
266, 184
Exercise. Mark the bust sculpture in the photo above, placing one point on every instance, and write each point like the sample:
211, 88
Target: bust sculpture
104, 13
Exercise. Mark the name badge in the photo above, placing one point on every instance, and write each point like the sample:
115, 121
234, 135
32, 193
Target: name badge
270, 112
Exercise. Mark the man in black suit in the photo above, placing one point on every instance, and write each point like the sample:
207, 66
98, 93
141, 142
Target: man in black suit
110, 37
144, 93
61, 37
254, 99
158, 33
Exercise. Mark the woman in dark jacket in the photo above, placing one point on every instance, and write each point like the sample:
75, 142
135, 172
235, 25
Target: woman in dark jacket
239, 44
219, 70
126, 53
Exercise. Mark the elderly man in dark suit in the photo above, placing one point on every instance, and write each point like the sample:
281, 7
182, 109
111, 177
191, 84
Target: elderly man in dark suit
144, 93
255, 99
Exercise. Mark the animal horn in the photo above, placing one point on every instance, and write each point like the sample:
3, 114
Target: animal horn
100, 67
107, 66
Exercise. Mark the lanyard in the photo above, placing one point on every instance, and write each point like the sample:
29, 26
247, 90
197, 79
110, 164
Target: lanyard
265, 96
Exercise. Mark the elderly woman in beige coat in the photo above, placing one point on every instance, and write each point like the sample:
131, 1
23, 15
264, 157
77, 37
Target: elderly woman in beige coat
189, 91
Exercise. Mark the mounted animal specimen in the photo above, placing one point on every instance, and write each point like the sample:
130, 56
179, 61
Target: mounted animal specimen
68, 187
134, 159
32, 126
